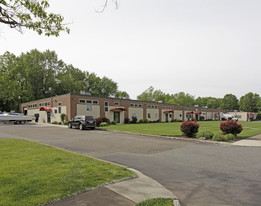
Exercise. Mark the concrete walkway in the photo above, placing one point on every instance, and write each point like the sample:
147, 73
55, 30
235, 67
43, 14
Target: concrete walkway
126, 193
254, 141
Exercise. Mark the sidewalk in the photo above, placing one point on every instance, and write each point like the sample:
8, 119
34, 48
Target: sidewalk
126, 193
254, 141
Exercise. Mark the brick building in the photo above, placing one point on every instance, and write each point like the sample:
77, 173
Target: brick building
50, 109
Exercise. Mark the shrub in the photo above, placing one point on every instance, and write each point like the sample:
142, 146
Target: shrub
223, 137
140, 121
103, 124
63, 116
99, 120
205, 134
65, 123
146, 121
134, 120
113, 122
126, 121
60, 123
189, 128
231, 127
55, 122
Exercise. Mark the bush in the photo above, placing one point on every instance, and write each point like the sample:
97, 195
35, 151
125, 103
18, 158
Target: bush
63, 116
205, 134
126, 121
141, 121
99, 120
189, 128
146, 121
60, 123
223, 137
113, 122
65, 123
103, 124
55, 122
134, 120
231, 127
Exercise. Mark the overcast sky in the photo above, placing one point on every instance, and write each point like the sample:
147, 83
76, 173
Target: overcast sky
201, 47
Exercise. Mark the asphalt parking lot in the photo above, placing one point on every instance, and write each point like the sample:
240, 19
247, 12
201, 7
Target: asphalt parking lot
198, 173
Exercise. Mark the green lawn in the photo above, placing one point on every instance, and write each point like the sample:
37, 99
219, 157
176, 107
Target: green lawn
34, 174
156, 202
172, 128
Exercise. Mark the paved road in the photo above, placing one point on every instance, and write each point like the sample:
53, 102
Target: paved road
200, 174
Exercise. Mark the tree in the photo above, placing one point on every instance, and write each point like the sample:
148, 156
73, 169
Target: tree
183, 98
249, 102
28, 14
106, 4
122, 95
152, 95
230, 102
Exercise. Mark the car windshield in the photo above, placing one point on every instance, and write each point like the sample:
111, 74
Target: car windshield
89, 118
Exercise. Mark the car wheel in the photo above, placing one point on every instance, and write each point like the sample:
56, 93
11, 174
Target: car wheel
81, 127
70, 125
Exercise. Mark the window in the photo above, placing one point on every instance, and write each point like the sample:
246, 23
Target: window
134, 115
106, 106
131, 105
140, 105
95, 102
59, 107
116, 103
55, 110
82, 101
89, 107
89, 101
149, 115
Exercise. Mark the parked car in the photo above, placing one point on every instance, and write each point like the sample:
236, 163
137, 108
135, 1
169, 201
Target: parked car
82, 122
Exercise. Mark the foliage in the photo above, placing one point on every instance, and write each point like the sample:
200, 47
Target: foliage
34, 174
103, 124
141, 121
122, 95
126, 120
99, 120
173, 128
65, 122
229, 102
37, 75
250, 102
223, 137
113, 122
31, 15
63, 116
156, 202
205, 134
146, 121
54, 122
230, 127
134, 120
189, 128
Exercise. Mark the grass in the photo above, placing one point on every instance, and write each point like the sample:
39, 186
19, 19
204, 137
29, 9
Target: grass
172, 128
156, 202
34, 174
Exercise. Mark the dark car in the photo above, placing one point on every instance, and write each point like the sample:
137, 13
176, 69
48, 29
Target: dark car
82, 122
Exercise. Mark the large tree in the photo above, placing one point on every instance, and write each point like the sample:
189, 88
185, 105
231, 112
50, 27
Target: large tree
30, 14
36, 75
249, 102
230, 102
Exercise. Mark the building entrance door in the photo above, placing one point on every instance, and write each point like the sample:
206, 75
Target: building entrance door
48, 117
117, 117
166, 117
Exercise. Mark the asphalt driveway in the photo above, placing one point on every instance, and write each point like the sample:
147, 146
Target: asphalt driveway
200, 174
